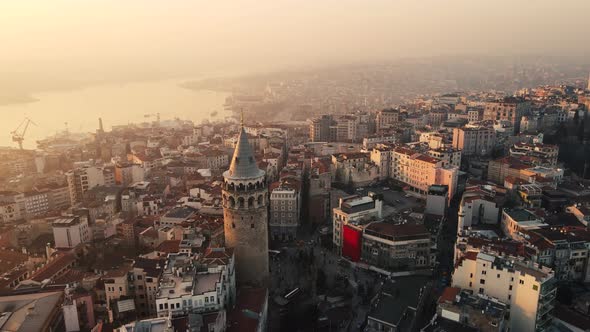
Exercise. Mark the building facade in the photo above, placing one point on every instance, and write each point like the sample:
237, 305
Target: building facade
528, 288
474, 140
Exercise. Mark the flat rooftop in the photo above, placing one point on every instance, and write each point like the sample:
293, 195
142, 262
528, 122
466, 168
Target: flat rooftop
66, 222
205, 283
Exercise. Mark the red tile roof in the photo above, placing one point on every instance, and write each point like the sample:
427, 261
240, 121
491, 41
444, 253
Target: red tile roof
56, 264
449, 295
169, 246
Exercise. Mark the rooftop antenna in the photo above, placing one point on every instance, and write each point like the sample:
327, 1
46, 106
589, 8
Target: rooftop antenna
242, 117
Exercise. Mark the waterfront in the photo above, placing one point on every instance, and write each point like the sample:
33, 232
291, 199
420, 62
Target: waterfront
116, 103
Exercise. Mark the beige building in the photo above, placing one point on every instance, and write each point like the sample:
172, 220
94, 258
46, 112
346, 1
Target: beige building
387, 118
420, 171
116, 285
528, 288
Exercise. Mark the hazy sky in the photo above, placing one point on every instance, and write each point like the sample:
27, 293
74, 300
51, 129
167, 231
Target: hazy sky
215, 34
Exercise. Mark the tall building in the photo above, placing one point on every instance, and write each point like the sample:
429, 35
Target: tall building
285, 204
528, 288
352, 213
387, 118
319, 128
245, 212
588, 87
509, 108
68, 232
82, 179
420, 171
474, 140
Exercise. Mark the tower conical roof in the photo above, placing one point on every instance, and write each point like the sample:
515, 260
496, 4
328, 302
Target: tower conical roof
243, 163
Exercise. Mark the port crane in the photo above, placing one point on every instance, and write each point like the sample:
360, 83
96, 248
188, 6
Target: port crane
18, 135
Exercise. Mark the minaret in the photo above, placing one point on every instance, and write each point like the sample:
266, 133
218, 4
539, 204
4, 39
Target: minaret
588, 87
245, 214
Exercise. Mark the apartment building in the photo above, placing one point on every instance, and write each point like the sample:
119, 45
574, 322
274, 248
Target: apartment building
320, 185
516, 222
390, 246
565, 251
319, 128
480, 205
420, 171
474, 140
70, 231
184, 288
528, 288
285, 207
381, 156
450, 157
387, 118
348, 218
536, 154
146, 277
353, 169
87, 177
510, 109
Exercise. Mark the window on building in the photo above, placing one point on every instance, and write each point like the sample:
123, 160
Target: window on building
482, 281
535, 287
481, 291
521, 282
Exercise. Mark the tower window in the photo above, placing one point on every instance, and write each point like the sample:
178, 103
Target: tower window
252, 225
233, 225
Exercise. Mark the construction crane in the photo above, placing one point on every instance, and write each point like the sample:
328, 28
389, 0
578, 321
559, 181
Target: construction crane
18, 135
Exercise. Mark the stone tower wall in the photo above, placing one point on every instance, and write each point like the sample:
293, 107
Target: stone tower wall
246, 230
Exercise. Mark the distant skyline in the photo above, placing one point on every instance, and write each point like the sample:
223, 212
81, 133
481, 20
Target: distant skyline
93, 37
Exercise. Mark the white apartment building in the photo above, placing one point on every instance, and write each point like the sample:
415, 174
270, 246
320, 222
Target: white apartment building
381, 156
84, 178
184, 288
69, 232
528, 288
474, 140
478, 206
